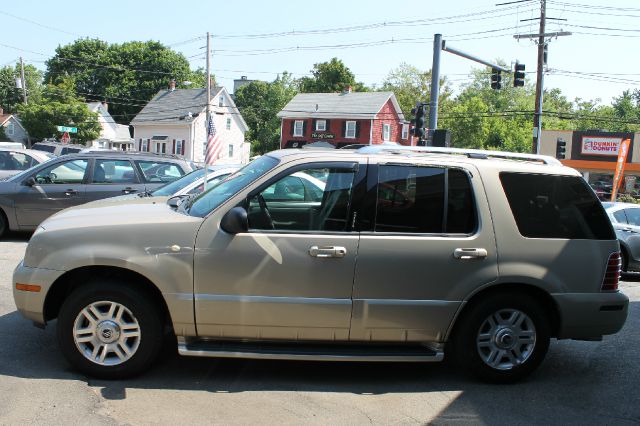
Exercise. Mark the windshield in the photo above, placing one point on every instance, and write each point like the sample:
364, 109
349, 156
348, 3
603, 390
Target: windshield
175, 186
27, 172
208, 201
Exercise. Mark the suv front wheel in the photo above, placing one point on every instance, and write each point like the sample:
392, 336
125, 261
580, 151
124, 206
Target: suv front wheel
109, 330
503, 338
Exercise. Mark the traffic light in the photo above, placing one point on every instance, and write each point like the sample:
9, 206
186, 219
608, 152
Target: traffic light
561, 146
518, 75
496, 79
418, 122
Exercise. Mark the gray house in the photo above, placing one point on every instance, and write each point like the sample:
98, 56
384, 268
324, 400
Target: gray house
13, 128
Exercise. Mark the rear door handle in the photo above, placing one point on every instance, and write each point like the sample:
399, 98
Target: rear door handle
70, 192
129, 190
327, 251
470, 253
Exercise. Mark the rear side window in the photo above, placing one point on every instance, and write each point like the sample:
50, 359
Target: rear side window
413, 199
46, 148
548, 206
157, 171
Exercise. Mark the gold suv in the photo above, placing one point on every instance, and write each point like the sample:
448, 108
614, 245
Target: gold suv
376, 254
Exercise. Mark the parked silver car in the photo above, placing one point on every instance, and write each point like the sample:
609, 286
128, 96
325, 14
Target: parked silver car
625, 218
26, 199
13, 161
393, 254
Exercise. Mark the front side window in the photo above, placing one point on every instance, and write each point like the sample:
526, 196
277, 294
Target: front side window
302, 202
113, 171
552, 206
321, 125
633, 216
350, 130
386, 132
157, 171
412, 199
68, 172
298, 127
620, 217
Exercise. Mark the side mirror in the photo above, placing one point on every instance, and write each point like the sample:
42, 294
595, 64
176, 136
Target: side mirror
31, 181
235, 221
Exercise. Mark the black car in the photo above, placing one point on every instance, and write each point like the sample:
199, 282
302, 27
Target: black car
28, 198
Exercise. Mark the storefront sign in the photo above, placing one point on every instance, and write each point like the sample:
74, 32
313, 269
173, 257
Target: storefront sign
323, 136
599, 145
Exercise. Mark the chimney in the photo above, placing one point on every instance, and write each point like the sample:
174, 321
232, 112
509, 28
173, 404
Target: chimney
172, 85
105, 105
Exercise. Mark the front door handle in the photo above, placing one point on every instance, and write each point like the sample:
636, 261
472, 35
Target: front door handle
70, 192
469, 253
129, 190
327, 251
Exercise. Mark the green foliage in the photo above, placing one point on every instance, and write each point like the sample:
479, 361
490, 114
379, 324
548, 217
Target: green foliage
126, 75
10, 96
259, 102
627, 198
330, 77
411, 85
59, 106
3, 135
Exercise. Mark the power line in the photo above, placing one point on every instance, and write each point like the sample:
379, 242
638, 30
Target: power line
41, 25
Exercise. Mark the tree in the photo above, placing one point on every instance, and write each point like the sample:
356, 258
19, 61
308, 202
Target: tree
126, 75
10, 96
330, 77
59, 106
259, 102
410, 85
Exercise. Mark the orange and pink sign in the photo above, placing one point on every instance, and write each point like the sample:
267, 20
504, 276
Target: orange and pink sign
600, 145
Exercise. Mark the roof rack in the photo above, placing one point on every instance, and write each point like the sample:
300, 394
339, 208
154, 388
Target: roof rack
470, 153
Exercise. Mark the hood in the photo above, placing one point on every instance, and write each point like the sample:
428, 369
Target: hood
127, 199
105, 214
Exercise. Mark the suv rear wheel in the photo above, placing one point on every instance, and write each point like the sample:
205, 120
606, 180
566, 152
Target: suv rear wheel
503, 338
109, 330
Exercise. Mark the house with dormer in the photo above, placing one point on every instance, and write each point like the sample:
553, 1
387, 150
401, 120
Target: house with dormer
346, 118
173, 122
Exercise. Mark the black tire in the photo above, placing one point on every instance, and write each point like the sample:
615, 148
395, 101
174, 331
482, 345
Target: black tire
138, 310
471, 350
4, 224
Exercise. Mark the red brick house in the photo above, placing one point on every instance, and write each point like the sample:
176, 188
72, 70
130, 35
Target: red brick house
345, 118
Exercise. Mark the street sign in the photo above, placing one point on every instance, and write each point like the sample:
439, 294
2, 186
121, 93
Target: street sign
68, 129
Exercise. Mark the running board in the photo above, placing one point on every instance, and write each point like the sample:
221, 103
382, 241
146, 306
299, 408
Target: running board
308, 352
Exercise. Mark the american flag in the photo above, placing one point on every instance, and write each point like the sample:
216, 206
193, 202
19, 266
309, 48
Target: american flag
213, 143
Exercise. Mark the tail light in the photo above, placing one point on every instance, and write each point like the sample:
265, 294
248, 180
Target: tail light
612, 274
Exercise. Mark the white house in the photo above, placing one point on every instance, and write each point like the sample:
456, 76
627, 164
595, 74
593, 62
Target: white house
112, 135
173, 122
13, 128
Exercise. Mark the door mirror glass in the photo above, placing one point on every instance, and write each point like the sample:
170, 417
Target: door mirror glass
235, 221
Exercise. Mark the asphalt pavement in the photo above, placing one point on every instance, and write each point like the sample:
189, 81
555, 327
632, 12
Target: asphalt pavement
580, 383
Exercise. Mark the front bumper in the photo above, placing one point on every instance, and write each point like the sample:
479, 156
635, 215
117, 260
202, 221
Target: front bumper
591, 315
31, 303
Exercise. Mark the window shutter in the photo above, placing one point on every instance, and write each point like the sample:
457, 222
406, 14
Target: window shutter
357, 129
173, 151
304, 128
183, 144
382, 132
293, 125
326, 126
140, 145
344, 129
315, 125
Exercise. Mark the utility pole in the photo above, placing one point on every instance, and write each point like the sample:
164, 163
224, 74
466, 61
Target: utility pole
208, 118
537, 118
435, 87
24, 83
542, 62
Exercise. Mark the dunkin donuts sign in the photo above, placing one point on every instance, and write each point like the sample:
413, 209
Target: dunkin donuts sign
598, 145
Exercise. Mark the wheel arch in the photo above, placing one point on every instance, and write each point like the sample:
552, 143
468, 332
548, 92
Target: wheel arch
78, 277
541, 296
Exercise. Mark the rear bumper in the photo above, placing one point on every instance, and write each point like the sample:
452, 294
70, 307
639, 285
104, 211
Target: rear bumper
591, 315
31, 303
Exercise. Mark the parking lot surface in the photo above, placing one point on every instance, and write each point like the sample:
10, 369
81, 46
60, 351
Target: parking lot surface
579, 383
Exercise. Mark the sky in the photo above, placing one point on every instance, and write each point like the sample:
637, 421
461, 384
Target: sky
260, 39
